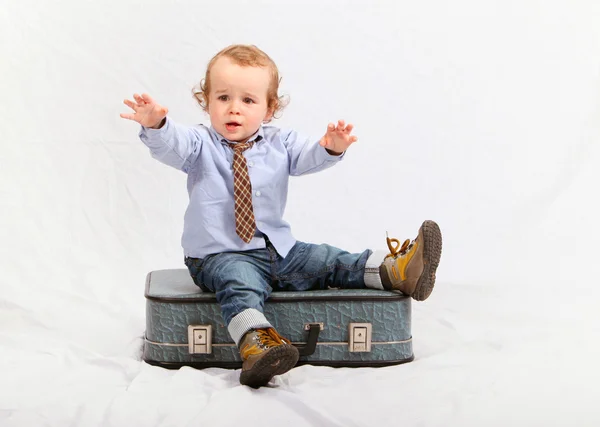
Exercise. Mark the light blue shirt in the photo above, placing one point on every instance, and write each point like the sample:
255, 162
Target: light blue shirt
205, 156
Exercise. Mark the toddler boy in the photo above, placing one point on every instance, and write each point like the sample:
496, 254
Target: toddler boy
235, 241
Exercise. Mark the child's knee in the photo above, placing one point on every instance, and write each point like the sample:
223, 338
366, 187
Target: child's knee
235, 273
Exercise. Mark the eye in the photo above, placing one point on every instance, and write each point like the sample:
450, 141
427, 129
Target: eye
223, 98
248, 100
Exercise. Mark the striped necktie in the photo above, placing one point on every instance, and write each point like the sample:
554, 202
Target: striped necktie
242, 192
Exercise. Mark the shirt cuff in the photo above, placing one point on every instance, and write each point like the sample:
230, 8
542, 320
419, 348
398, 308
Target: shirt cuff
331, 153
330, 157
151, 131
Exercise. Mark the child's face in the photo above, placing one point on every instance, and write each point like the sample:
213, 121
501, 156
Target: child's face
237, 99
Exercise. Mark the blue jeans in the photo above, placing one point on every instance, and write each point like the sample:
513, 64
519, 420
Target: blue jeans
244, 280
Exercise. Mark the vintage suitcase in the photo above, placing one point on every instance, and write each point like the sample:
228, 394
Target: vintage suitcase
335, 327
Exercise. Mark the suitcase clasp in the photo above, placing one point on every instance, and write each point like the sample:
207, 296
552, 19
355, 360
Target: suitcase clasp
359, 337
200, 339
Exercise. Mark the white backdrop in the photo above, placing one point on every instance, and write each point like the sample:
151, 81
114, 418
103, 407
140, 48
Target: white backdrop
482, 115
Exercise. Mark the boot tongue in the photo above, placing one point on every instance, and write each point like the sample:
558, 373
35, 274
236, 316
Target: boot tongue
404, 247
269, 337
276, 337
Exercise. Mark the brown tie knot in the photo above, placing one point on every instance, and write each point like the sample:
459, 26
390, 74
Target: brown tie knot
241, 146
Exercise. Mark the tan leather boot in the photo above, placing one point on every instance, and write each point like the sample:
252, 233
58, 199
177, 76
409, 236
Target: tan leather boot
265, 354
411, 269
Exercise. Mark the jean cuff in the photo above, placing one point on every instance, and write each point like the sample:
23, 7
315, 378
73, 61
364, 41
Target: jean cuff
248, 319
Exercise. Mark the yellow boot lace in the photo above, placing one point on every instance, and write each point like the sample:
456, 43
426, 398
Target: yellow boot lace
394, 251
267, 338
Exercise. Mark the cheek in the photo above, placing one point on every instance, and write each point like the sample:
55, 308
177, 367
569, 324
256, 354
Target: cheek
214, 109
259, 116
256, 118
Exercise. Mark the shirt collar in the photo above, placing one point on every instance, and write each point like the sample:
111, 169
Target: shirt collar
257, 137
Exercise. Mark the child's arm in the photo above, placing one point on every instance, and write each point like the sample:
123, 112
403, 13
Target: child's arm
175, 145
307, 157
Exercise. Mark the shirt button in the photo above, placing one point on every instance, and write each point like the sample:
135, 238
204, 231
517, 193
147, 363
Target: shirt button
258, 193
250, 163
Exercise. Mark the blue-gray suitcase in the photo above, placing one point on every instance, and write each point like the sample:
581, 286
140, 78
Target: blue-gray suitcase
335, 327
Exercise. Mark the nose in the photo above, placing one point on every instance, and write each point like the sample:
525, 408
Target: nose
234, 107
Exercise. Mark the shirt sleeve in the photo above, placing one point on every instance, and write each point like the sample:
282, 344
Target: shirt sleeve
307, 156
173, 144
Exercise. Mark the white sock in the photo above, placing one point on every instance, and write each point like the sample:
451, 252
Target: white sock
244, 321
372, 277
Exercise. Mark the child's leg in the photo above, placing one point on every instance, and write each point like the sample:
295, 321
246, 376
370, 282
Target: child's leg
409, 268
309, 266
240, 282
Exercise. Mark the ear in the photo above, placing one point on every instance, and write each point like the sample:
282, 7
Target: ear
268, 116
205, 99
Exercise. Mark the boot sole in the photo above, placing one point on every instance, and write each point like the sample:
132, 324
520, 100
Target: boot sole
432, 251
276, 361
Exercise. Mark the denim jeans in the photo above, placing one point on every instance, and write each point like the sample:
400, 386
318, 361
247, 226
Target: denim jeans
244, 280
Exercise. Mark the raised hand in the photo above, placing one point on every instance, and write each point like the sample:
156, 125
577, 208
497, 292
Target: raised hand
337, 139
147, 112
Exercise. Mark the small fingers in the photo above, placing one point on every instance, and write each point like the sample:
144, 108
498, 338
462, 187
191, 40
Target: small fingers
330, 127
138, 99
130, 104
341, 125
349, 128
127, 116
147, 98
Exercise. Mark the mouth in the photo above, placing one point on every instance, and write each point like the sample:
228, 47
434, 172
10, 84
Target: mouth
232, 126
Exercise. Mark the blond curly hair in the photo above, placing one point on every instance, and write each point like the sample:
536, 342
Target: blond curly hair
245, 56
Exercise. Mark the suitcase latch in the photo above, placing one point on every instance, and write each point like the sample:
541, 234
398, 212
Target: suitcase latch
359, 337
200, 339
